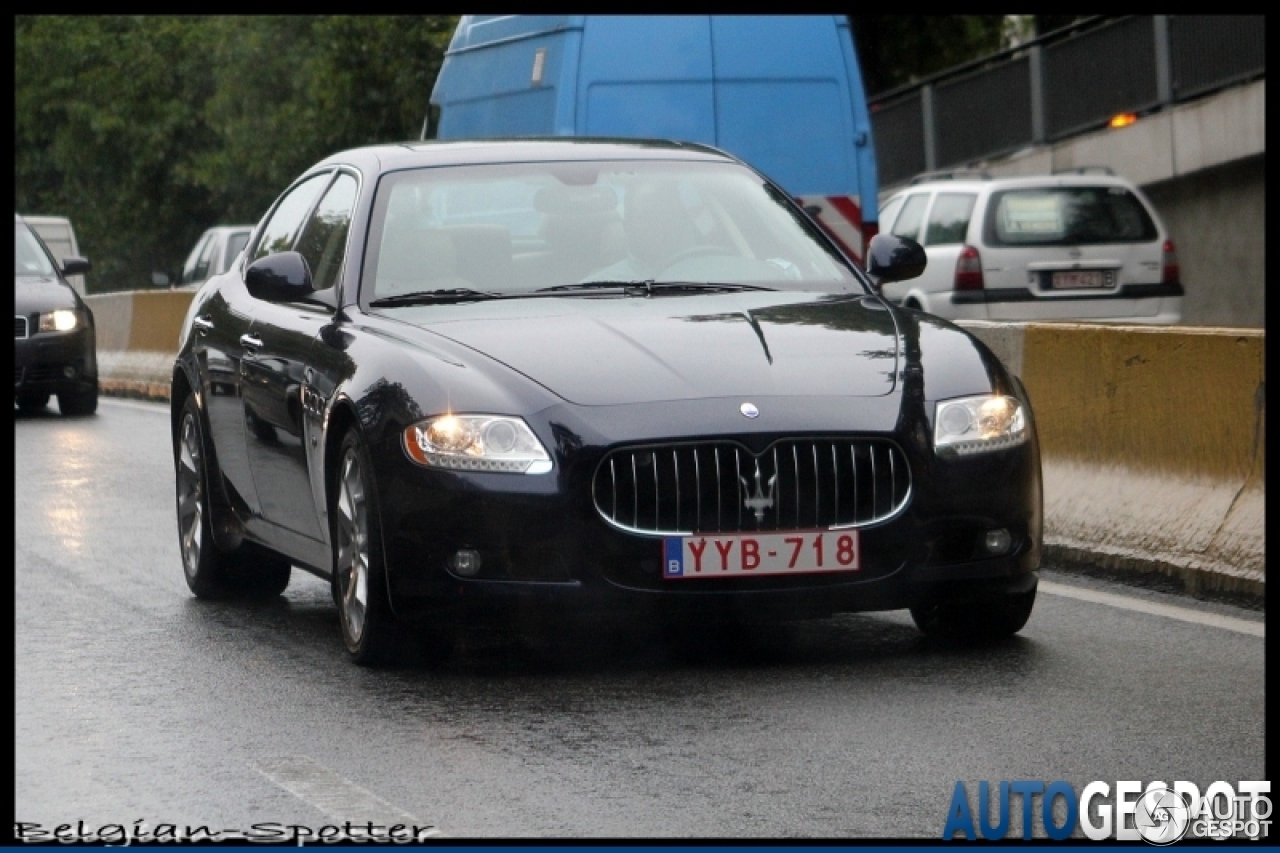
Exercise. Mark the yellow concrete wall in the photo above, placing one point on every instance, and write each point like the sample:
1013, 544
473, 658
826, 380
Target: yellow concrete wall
1184, 401
139, 320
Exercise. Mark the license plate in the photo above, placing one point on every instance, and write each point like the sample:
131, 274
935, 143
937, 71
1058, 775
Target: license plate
1077, 279
803, 552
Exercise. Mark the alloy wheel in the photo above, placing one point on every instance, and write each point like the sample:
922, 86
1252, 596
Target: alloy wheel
353, 547
190, 497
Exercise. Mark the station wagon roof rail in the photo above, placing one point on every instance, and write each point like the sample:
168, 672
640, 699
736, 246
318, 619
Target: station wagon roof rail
951, 175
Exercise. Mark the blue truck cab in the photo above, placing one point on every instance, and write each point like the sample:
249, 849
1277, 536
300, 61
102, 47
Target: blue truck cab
782, 92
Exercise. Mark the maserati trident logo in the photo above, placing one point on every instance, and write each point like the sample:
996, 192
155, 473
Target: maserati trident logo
749, 410
759, 501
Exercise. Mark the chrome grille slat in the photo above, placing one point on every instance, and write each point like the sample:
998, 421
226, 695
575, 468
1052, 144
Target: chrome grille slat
873, 487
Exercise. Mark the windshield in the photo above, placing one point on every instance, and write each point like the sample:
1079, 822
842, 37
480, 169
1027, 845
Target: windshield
29, 257
522, 228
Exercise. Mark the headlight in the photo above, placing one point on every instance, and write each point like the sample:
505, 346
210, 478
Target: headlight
62, 320
477, 443
978, 424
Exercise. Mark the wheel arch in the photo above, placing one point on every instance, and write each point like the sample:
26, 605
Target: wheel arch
342, 418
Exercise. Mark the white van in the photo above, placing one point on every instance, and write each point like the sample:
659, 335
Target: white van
60, 237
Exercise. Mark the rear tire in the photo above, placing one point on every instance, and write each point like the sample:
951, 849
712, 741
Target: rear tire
32, 403
79, 403
369, 628
211, 573
988, 618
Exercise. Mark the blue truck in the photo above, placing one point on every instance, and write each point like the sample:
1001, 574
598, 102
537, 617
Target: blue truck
782, 92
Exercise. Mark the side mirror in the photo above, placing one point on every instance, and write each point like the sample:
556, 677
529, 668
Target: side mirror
891, 258
75, 266
282, 277
160, 279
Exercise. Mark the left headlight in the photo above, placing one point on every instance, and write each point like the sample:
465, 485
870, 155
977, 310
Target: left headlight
969, 425
62, 320
477, 443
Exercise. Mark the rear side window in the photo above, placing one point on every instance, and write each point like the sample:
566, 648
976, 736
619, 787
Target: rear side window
949, 218
1067, 215
908, 224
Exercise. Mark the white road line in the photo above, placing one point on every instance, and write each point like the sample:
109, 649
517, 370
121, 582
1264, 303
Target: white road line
339, 799
155, 408
1240, 626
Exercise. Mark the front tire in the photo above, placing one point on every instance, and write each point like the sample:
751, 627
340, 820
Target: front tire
210, 572
991, 617
369, 628
80, 402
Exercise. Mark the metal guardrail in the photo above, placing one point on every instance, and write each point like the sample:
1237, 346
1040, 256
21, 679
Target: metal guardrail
1060, 85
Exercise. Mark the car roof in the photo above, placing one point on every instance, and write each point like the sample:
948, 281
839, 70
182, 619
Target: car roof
1074, 179
390, 157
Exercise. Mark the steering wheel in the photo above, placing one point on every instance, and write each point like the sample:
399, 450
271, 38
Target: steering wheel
699, 251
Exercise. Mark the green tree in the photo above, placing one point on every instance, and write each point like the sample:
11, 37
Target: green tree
146, 130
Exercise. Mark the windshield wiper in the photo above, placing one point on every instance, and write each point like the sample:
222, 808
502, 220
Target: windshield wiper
649, 287
425, 297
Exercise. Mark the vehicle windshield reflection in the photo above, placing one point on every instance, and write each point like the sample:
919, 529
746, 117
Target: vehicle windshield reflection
474, 232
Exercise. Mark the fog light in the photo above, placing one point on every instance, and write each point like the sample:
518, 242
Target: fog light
998, 541
68, 371
466, 562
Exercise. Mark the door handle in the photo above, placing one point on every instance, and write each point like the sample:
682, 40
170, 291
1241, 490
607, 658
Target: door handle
203, 325
250, 342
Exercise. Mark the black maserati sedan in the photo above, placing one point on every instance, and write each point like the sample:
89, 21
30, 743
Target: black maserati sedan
592, 380
54, 343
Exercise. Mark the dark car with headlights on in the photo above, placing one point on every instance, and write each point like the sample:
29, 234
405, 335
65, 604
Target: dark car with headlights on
54, 345
591, 380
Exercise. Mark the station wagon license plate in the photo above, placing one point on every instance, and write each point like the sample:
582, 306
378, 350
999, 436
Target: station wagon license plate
1077, 279
803, 552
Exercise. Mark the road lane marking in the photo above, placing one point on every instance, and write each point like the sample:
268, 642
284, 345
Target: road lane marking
1124, 602
339, 799
154, 408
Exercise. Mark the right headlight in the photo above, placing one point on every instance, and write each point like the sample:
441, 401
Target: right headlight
969, 425
62, 320
477, 443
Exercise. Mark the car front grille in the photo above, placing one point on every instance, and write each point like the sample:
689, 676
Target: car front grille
722, 487
20, 327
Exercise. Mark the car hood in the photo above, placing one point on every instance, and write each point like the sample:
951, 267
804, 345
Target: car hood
612, 351
32, 294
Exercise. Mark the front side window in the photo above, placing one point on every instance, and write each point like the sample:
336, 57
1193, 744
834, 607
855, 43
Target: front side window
523, 227
324, 238
1066, 216
912, 216
280, 231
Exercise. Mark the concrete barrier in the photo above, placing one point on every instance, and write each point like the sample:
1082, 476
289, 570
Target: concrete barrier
137, 334
1153, 438
1153, 446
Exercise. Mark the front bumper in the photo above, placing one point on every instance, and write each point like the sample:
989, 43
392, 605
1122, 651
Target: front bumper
53, 362
543, 546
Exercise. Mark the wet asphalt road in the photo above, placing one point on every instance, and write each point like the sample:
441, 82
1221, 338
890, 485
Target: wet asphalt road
134, 701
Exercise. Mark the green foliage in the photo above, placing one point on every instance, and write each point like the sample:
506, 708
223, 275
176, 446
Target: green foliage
894, 50
146, 130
